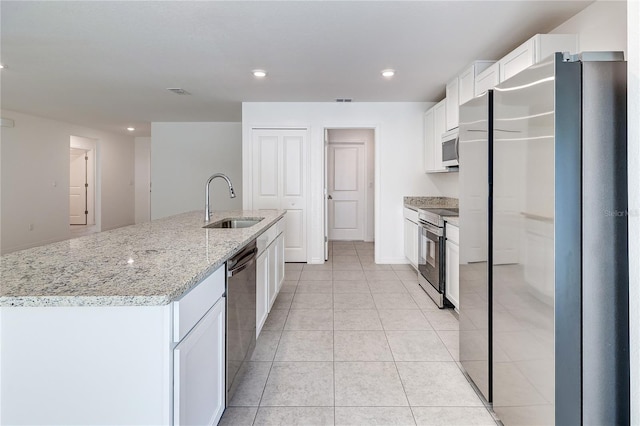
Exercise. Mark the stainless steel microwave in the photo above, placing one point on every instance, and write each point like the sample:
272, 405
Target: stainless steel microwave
450, 148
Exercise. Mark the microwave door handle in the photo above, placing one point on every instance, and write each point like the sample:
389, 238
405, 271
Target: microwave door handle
457, 145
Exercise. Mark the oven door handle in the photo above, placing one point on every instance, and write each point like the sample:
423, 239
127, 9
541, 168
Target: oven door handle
431, 228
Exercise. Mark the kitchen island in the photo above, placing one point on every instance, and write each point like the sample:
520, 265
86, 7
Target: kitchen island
88, 326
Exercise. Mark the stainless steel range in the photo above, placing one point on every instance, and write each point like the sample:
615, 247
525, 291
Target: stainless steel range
431, 256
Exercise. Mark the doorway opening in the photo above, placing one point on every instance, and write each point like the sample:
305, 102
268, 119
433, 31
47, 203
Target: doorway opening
82, 186
349, 185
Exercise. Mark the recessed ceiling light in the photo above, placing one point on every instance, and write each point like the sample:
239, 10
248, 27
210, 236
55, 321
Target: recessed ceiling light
131, 129
259, 73
388, 73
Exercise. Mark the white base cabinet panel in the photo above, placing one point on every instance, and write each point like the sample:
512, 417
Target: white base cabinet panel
115, 364
452, 266
411, 236
86, 365
269, 271
198, 364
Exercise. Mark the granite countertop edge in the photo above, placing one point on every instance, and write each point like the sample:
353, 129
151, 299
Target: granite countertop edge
170, 272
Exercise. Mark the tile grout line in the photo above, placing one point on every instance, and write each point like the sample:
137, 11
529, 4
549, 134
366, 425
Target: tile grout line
274, 354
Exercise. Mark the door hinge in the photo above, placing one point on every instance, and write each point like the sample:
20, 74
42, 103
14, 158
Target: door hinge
326, 239
86, 185
86, 212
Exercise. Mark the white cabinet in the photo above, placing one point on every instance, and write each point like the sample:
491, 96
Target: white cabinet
452, 266
429, 140
434, 126
269, 271
279, 181
158, 365
440, 126
199, 370
453, 104
534, 50
487, 79
262, 294
279, 261
411, 236
467, 80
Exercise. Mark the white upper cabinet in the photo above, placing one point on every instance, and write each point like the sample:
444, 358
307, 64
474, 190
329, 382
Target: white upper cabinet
453, 103
467, 80
435, 123
534, 50
487, 79
440, 126
429, 135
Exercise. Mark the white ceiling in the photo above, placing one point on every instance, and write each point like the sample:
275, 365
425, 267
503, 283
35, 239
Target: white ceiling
108, 64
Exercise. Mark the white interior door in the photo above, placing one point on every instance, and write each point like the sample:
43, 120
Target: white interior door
77, 188
279, 182
326, 196
346, 176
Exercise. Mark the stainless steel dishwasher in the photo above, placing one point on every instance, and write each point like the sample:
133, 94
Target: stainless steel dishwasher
241, 315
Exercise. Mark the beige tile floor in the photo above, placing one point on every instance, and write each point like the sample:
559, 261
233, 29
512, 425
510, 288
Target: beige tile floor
355, 343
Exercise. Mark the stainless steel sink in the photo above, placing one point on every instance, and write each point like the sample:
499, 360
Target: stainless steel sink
235, 222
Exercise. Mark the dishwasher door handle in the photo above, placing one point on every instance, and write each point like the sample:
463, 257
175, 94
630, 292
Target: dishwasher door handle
242, 264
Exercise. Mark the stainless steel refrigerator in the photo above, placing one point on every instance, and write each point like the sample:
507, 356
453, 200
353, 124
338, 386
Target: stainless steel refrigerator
556, 305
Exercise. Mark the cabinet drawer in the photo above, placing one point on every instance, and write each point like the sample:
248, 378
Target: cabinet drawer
188, 310
267, 237
411, 215
453, 233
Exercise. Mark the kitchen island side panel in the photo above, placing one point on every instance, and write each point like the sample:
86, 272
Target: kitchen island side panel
85, 365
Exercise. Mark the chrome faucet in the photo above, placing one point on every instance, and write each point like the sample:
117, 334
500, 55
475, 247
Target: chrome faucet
207, 205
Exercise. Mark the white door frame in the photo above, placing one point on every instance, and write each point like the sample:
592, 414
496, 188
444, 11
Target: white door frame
376, 179
92, 146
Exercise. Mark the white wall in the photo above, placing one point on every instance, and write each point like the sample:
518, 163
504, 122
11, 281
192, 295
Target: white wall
601, 26
183, 156
143, 179
399, 169
633, 113
35, 180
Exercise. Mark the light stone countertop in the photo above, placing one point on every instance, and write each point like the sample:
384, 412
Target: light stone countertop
416, 203
148, 264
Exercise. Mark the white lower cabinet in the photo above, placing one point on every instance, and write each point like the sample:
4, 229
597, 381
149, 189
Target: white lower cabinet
269, 271
199, 371
452, 266
158, 365
262, 284
279, 261
411, 236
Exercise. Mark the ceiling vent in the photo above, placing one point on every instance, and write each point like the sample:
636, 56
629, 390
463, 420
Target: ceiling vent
343, 99
178, 91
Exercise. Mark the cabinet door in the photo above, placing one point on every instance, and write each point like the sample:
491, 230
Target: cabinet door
272, 278
466, 83
280, 261
429, 140
453, 104
440, 120
411, 242
199, 371
452, 271
519, 59
487, 79
262, 283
